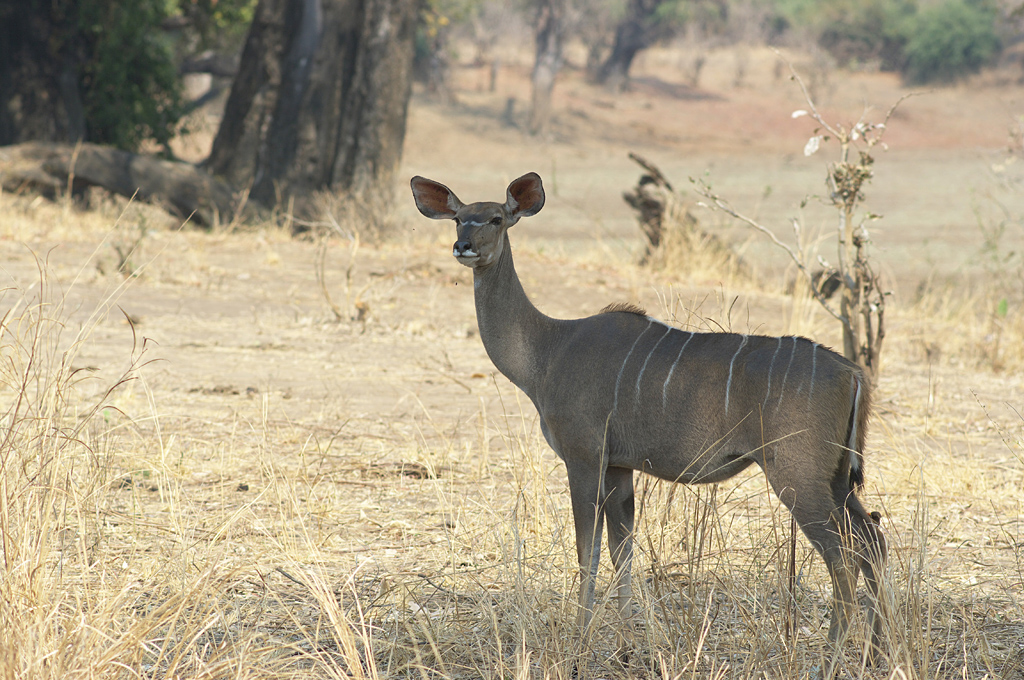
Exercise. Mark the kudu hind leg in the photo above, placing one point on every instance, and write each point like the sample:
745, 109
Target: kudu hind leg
849, 541
844, 569
872, 553
813, 508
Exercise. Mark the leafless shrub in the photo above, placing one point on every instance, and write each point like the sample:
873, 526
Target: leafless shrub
861, 311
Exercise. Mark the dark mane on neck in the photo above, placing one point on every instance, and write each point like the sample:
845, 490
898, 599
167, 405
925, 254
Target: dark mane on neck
627, 307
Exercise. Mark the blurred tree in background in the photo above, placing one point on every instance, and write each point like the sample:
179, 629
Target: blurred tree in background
645, 23
865, 32
437, 20
104, 71
550, 26
927, 42
951, 40
320, 99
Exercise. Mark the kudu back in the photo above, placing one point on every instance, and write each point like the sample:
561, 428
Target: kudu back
621, 391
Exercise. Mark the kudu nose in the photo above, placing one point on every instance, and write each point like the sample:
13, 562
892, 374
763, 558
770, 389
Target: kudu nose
463, 247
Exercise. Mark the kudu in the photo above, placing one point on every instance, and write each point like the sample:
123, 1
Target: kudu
620, 391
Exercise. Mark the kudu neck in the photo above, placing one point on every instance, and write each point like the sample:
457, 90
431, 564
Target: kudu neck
514, 332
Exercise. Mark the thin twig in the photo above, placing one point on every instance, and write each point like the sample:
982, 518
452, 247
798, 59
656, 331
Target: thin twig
319, 268
288, 576
723, 205
807, 94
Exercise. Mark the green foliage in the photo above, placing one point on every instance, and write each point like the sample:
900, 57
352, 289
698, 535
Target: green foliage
711, 16
125, 59
926, 41
1002, 308
215, 22
437, 15
797, 12
950, 40
858, 32
432, 50
129, 82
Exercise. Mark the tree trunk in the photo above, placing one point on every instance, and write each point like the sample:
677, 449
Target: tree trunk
637, 31
320, 100
550, 37
39, 96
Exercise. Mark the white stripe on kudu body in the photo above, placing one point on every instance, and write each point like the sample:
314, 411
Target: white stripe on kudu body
573, 370
640, 375
728, 383
618, 380
771, 367
814, 369
668, 378
785, 377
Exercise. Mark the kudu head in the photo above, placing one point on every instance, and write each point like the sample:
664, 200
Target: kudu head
480, 227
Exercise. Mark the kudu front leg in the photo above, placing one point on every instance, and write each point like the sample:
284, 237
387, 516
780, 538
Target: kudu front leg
588, 519
596, 497
619, 511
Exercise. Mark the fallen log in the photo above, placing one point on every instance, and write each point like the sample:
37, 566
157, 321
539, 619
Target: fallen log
181, 188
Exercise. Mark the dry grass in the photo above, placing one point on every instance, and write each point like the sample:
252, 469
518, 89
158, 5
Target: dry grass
686, 248
975, 327
130, 550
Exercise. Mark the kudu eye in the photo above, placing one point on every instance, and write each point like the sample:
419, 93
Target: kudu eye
495, 221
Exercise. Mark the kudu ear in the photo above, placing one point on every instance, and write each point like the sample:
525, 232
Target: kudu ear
525, 196
434, 199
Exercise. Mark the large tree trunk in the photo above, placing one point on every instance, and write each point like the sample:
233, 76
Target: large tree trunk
320, 100
637, 31
39, 97
550, 34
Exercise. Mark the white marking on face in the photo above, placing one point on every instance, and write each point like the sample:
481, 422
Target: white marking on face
618, 380
782, 389
668, 329
664, 387
768, 392
728, 383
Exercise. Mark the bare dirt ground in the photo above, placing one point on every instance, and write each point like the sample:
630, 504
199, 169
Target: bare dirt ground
266, 439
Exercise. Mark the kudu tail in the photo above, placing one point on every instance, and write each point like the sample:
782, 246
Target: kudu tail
857, 430
865, 526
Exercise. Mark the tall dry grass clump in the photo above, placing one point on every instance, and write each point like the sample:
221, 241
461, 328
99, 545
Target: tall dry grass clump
978, 326
685, 247
54, 473
72, 603
94, 581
